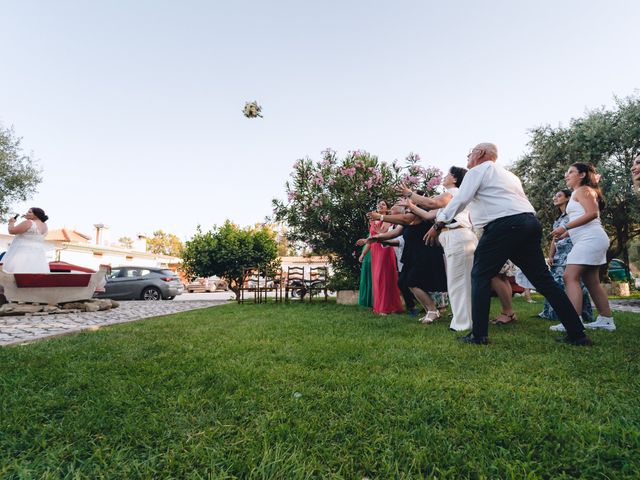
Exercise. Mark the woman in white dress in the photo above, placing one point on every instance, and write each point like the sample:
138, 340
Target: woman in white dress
26, 253
590, 243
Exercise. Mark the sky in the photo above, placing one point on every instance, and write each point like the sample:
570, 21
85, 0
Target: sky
133, 109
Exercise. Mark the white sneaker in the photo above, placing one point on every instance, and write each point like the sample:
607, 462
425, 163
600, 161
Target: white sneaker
603, 323
557, 328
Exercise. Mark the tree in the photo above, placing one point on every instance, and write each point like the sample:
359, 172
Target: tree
226, 251
126, 242
18, 174
327, 201
610, 140
165, 244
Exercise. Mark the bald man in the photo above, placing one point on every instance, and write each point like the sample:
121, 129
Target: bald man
497, 205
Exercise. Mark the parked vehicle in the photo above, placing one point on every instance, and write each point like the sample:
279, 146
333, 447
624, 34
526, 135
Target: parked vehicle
262, 282
201, 284
211, 284
617, 270
299, 288
142, 283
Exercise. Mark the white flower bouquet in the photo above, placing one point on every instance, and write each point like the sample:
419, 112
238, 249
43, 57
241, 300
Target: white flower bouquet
252, 110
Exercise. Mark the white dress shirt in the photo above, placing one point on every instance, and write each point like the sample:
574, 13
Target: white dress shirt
462, 217
491, 192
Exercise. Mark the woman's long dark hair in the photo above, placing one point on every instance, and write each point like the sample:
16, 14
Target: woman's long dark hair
39, 213
567, 193
458, 173
590, 179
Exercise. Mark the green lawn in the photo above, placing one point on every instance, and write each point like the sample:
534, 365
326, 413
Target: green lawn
322, 391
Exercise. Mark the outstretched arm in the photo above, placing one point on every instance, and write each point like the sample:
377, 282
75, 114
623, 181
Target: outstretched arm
396, 232
431, 203
402, 219
419, 212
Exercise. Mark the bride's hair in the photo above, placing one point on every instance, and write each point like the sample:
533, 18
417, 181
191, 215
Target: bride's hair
38, 212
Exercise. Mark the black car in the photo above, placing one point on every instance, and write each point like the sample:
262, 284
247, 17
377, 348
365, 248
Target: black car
141, 283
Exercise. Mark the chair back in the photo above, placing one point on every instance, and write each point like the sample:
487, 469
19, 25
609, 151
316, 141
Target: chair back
295, 274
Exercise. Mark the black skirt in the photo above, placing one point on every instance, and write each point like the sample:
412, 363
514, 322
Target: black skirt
424, 264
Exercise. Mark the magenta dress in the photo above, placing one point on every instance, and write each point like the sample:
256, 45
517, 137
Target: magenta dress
384, 276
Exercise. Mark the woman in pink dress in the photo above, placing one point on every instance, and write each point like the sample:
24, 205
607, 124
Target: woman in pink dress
384, 273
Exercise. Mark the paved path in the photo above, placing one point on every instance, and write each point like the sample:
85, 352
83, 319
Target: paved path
22, 329
631, 305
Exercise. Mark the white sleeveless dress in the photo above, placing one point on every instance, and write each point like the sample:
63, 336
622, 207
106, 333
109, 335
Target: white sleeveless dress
590, 241
26, 253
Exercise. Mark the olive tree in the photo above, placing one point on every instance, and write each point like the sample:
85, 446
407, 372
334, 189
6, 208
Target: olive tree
18, 174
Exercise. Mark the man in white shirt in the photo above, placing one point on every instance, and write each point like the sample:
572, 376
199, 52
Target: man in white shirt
498, 205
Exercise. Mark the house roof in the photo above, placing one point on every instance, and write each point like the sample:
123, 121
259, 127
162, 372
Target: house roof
66, 235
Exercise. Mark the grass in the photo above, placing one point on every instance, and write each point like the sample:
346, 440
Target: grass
322, 391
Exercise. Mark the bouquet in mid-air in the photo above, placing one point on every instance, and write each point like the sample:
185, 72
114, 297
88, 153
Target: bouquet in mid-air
252, 110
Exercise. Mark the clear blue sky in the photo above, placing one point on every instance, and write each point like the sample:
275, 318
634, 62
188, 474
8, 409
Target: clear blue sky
133, 108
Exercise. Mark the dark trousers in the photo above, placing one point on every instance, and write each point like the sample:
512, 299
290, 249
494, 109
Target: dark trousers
516, 238
409, 301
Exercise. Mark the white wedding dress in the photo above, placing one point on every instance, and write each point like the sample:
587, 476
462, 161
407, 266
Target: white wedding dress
26, 253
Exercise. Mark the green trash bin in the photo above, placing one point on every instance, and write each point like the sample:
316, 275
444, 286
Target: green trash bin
617, 271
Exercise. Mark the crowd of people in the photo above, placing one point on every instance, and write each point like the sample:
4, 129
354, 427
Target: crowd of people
465, 242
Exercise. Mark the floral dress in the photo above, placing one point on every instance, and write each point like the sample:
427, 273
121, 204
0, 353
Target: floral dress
563, 247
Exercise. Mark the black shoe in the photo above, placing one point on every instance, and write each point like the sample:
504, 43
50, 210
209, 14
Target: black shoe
471, 338
578, 342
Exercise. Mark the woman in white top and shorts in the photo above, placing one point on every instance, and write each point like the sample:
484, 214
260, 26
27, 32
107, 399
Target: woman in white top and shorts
590, 243
459, 243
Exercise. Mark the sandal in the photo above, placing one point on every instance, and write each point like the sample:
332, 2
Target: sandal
505, 318
430, 316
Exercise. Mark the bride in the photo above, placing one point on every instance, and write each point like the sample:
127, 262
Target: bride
26, 253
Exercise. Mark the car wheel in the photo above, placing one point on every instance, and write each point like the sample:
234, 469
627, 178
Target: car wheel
151, 293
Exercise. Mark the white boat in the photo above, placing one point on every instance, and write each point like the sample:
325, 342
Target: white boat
65, 283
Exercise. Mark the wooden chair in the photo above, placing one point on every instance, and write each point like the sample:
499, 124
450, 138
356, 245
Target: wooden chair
250, 283
295, 283
318, 277
271, 282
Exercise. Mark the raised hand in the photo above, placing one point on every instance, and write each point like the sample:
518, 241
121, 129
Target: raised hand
403, 190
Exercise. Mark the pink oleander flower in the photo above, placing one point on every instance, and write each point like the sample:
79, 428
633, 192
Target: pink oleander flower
349, 172
316, 202
411, 180
318, 179
434, 182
